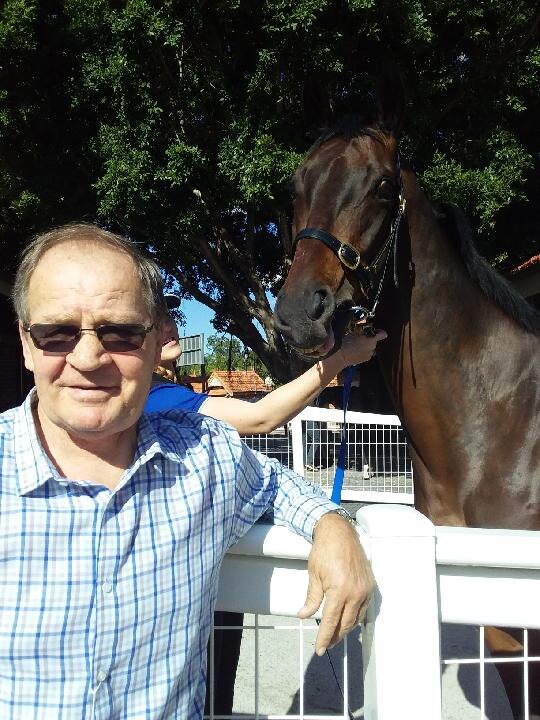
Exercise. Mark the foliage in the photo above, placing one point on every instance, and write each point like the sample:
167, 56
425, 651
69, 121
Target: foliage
180, 123
222, 347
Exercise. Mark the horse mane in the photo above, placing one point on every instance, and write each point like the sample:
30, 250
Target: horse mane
493, 285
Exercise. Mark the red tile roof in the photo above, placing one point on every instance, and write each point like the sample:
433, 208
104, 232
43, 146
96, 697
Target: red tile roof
194, 380
236, 381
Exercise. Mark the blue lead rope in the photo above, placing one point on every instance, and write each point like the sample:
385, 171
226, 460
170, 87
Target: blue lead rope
340, 469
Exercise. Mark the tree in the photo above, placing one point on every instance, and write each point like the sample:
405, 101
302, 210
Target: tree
222, 348
180, 123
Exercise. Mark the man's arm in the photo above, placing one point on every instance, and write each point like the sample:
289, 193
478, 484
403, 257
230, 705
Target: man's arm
282, 404
339, 572
338, 568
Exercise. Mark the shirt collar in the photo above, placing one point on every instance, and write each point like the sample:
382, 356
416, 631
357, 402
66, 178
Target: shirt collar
34, 468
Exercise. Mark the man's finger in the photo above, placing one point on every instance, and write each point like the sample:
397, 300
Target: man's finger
337, 626
314, 598
328, 629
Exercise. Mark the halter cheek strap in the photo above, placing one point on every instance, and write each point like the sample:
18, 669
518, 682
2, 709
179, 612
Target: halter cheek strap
347, 255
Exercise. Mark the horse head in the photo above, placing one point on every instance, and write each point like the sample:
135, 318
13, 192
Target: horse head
346, 196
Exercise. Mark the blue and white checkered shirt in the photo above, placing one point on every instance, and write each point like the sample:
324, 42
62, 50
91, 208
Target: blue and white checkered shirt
106, 597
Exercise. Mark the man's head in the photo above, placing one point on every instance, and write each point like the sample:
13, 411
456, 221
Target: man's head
92, 383
91, 235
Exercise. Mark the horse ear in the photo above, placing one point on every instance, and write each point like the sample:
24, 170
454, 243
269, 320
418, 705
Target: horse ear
317, 107
390, 100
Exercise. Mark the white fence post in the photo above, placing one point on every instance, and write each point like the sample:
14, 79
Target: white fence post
401, 650
297, 444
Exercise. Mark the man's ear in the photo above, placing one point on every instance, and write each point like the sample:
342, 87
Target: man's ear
27, 353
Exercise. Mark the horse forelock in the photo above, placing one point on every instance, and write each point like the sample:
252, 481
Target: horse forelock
349, 128
493, 285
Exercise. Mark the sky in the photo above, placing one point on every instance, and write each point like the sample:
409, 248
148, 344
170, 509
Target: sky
198, 318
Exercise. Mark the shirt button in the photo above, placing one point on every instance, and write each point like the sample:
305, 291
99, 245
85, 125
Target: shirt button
101, 676
106, 586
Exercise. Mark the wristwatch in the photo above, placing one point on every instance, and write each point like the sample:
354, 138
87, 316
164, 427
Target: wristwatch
345, 515
338, 511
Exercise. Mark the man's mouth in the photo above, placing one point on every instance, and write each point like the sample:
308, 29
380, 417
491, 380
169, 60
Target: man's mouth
91, 391
170, 341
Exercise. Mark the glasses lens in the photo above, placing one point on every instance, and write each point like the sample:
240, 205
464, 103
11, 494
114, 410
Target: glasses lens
64, 338
121, 338
54, 338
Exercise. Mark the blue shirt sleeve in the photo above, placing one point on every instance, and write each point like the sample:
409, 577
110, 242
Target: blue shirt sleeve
168, 396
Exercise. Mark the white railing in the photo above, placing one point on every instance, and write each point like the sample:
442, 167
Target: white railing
425, 576
378, 466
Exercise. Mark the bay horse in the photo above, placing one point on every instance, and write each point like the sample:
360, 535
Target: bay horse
462, 357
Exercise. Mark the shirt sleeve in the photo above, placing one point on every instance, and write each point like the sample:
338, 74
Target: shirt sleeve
264, 484
168, 396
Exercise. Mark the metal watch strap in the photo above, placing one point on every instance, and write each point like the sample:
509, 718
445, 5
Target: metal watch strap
344, 514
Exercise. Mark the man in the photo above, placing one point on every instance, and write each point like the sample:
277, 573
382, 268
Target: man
114, 523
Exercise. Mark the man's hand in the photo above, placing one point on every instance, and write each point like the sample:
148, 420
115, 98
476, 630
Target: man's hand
340, 572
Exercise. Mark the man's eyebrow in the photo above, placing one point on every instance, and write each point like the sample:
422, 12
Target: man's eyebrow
114, 320
55, 320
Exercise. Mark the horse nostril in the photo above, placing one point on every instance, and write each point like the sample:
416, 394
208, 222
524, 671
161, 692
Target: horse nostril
319, 303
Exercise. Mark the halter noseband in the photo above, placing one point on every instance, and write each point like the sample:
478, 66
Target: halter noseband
350, 257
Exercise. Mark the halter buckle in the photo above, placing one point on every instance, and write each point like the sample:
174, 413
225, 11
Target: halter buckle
348, 256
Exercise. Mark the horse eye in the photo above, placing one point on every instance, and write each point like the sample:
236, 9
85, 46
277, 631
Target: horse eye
385, 189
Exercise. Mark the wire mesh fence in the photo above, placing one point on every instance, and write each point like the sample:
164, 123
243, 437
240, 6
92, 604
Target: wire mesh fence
377, 463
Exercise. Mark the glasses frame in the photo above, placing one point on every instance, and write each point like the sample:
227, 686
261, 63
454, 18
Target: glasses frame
99, 331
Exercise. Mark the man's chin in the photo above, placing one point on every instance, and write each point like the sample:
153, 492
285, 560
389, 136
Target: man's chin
91, 422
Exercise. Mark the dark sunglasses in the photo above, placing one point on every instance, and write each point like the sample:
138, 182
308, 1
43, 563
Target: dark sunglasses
114, 337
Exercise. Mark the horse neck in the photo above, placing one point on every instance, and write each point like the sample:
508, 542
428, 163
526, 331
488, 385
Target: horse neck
436, 301
445, 335
465, 380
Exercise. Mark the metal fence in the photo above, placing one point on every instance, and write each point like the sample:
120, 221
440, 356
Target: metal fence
377, 465
426, 576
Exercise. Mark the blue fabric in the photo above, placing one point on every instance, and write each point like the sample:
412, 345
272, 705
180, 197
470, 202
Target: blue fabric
168, 396
106, 596
337, 486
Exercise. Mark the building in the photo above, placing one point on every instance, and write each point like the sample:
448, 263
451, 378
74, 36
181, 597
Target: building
242, 384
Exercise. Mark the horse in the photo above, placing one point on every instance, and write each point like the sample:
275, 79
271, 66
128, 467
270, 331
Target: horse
461, 360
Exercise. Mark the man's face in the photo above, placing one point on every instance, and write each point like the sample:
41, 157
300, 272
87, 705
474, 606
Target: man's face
89, 392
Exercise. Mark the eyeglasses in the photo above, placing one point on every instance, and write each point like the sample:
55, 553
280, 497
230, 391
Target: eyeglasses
114, 337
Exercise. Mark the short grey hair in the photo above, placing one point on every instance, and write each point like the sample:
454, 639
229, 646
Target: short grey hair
87, 233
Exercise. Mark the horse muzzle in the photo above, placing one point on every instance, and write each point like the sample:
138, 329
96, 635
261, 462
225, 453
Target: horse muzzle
310, 321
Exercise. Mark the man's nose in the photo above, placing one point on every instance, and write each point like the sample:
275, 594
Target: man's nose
88, 354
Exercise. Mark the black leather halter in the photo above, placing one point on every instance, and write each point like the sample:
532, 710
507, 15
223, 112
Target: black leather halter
367, 275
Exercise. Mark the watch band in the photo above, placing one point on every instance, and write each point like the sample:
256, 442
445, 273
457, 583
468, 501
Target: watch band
345, 515
342, 513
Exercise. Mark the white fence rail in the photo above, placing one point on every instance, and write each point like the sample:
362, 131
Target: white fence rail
425, 576
378, 467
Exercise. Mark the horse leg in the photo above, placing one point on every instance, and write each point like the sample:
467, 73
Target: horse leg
508, 643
